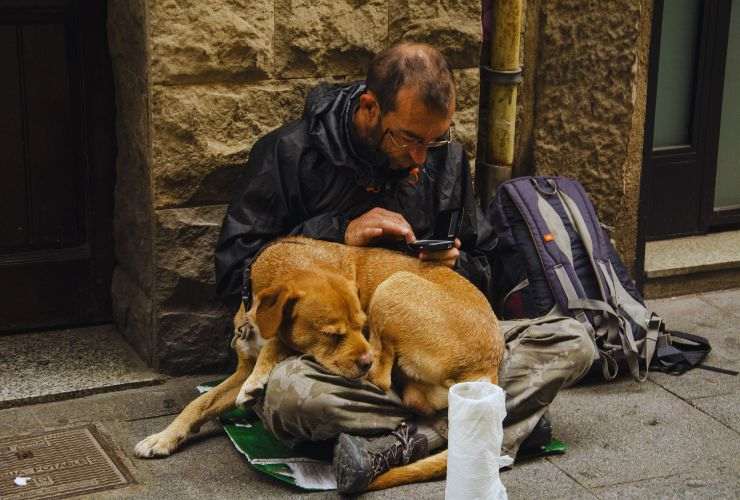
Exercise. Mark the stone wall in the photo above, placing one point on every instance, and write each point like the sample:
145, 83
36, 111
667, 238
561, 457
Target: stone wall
196, 84
584, 102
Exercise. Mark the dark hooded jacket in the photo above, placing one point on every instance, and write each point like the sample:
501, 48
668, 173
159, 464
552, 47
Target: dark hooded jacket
312, 176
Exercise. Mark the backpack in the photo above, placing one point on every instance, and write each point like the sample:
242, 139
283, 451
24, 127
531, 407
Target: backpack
554, 257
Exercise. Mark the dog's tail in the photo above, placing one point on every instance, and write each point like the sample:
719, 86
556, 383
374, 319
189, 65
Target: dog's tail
426, 469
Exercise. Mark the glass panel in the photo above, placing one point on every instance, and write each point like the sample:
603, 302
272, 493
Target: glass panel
676, 70
727, 188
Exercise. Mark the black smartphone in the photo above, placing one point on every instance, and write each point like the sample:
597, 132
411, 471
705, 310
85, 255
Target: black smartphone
431, 245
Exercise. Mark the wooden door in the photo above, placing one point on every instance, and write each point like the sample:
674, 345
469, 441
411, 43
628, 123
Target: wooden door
58, 151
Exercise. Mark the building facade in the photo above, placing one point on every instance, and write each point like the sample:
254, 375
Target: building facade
193, 84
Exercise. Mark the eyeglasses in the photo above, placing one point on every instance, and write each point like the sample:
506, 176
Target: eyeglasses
401, 143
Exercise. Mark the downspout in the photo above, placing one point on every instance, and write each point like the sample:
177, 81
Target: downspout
502, 77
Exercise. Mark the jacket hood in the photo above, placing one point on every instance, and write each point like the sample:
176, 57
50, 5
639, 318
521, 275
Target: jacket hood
328, 112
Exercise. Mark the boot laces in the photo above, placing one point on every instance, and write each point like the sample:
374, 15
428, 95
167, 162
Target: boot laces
398, 453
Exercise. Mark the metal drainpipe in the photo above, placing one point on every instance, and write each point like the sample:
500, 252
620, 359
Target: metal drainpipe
503, 77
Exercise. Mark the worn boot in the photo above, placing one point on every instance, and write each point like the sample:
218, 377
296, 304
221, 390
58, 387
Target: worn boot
539, 438
358, 460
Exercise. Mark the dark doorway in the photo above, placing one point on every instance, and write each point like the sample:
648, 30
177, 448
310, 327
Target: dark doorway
56, 184
691, 183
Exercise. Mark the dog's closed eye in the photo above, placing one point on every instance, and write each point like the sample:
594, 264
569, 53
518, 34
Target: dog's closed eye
335, 337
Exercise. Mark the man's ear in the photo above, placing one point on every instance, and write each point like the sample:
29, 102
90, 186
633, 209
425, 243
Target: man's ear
273, 305
369, 104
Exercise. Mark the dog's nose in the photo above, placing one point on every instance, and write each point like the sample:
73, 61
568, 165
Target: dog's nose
364, 362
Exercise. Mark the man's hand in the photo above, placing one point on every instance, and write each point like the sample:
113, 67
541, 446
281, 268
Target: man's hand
375, 224
446, 257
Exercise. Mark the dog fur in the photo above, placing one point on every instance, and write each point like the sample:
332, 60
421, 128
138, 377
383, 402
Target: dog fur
359, 312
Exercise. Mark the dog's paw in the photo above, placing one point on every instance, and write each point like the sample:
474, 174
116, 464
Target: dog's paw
161, 444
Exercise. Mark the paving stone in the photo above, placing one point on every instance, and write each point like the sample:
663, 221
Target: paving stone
616, 431
693, 315
15, 421
538, 478
727, 300
134, 404
725, 408
721, 483
209, 466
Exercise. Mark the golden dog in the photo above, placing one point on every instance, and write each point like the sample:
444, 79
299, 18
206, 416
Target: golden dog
323, 299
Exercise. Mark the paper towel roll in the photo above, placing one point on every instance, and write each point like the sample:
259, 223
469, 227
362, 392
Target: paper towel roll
476, 413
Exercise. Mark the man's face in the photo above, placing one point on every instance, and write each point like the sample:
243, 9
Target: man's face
403, 133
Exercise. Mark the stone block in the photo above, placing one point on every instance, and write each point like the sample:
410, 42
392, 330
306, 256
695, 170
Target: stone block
186, 239
133, 200
328, 37
194, 342
127, 37
132, 313
466, 115
202, 136
222, 40
453, 26
586, 94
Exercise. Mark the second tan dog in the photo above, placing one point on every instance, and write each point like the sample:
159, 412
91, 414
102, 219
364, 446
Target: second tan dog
323, 299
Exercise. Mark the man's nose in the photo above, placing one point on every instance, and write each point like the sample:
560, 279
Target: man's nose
418, 154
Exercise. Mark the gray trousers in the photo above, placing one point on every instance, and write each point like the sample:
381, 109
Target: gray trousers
303, 402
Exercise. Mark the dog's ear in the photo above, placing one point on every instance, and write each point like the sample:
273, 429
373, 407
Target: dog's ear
273, 306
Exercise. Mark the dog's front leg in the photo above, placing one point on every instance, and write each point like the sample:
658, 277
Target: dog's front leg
383, 353
271, 354
206, 406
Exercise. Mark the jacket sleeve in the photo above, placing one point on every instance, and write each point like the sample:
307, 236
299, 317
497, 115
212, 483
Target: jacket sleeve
476, 235
258, 213
262, 211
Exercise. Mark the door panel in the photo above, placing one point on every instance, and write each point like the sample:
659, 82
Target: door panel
13, 226
56, 181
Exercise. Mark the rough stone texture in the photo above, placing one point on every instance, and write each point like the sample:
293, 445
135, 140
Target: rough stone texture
451, 25
328, 37
626, 234
190, 342
466, 116
204, 134
223, 40
132, 230
693, 283
186, 238
133, 204
133, 314
62, 364
585, 99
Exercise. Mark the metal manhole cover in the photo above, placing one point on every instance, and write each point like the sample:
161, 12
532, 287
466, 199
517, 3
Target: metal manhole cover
57, 464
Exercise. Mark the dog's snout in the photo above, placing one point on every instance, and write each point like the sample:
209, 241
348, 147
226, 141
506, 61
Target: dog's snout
365, 361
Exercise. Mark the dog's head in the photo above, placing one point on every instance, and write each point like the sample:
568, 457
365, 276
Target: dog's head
316, 313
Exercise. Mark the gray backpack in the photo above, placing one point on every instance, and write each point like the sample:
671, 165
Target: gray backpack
554, 257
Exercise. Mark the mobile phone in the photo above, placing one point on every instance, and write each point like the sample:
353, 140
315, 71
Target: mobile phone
431, 245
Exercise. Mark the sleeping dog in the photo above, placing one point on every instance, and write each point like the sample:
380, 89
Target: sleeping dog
359, 312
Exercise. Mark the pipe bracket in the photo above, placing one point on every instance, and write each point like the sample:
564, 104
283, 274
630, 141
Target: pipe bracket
501, 76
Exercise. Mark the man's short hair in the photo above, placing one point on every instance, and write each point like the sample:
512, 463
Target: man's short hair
415, 64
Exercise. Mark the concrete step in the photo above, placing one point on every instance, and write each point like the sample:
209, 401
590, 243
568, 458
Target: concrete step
693, 264
62, 364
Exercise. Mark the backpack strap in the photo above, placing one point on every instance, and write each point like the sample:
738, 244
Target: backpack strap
628, 311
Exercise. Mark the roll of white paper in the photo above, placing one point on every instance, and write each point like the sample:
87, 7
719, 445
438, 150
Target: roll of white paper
476, 414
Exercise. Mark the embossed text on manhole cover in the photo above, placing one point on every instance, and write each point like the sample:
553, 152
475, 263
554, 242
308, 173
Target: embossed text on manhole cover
57, 464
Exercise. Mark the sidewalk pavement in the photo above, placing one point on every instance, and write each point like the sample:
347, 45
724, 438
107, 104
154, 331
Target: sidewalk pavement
671, 437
